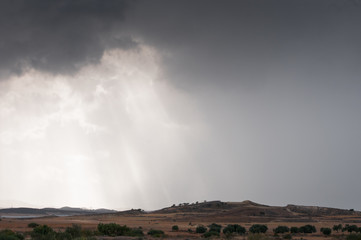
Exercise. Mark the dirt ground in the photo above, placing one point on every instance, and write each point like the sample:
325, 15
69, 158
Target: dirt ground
166, 221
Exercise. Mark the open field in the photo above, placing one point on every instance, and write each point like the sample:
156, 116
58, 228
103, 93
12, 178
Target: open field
189, 216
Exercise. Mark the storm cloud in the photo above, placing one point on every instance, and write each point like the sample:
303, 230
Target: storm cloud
181, 101
59, 36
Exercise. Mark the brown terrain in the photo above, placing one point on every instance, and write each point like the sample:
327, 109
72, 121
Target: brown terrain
189, 216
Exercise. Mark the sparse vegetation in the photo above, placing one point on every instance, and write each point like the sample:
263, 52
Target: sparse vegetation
258, 228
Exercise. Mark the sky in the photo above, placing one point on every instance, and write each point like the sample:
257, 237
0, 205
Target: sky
145, 104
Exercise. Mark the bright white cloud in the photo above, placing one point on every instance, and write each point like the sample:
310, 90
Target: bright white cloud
101, 138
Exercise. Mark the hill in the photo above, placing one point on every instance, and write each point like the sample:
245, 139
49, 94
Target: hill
42, 212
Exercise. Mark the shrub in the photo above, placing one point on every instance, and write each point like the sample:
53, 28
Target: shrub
326, 231
10, 235
74, 231
235, 228
258, 228
156, 233
307, 229
210, 234
113, 229
43, 232
215, 228
294, 230
281, 229
33, 225
201, 229
175, 228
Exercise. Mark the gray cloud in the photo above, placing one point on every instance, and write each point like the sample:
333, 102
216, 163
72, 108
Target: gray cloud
247, 41
58, 36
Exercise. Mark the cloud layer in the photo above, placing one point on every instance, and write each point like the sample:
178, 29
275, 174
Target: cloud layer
149, 103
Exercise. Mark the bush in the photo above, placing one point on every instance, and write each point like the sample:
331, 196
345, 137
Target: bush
113, 229
258, 228
156, 233
33, 225
215, 228
235, 228
210, 234
43, 232
175, 228
10, 235
294, 230
74, 231
326, 231
201, 229
350, 228
281, 229
307, 229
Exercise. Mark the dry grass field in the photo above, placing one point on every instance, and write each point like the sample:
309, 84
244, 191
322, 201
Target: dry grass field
189, 216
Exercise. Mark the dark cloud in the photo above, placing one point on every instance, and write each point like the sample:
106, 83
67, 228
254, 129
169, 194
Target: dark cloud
247, 41
58, 36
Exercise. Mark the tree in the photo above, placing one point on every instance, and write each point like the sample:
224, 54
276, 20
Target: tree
326, 231
258, 228
234, 229
294, 230
350, 228
337, 227
307, 229
175, 228
214, 227
281, 229
201, 229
